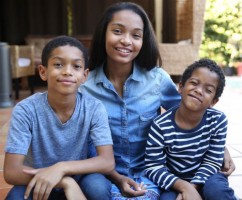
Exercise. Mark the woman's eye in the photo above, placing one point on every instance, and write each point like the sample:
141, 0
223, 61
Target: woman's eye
137, 36
117, 31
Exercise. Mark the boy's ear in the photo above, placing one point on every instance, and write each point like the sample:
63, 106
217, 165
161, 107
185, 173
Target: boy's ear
86, 72
214, 102
180, 87
43, 72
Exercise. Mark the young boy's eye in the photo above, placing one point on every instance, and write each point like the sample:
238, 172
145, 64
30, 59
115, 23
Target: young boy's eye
193, 82
209, 91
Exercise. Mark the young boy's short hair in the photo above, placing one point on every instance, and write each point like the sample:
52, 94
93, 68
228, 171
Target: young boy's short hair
212, 66
63, 41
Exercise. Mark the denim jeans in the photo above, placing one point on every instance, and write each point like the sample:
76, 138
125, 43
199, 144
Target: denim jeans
94, 186
215, 188
17, 192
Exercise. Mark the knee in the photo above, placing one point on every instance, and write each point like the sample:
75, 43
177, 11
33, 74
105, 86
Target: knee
217, 188
17, 192
96, 186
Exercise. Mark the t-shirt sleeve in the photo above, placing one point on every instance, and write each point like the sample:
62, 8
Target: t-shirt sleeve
19, 134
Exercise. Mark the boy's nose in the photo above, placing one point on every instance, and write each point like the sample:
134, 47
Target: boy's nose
67, 70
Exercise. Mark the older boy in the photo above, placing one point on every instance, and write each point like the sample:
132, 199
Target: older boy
49, 132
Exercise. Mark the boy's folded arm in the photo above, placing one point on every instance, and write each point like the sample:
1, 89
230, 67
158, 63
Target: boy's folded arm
102, 163
14, 170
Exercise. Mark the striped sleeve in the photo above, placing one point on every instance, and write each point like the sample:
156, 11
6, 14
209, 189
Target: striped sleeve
155, 158
213, 159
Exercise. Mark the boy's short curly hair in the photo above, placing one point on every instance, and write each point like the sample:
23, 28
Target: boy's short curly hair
212, 66
59, 41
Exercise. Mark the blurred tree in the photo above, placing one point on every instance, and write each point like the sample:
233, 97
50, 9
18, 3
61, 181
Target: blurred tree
222, 37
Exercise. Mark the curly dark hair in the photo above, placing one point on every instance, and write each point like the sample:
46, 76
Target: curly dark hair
212, 66
149, 54
59, 41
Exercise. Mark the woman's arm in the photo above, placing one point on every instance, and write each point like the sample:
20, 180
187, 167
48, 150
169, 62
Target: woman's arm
228, 165
127, 186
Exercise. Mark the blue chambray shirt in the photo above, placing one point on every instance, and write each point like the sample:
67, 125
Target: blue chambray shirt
130, 116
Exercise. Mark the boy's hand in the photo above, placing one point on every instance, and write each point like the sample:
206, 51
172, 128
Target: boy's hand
44, 180
189, 194
130, 188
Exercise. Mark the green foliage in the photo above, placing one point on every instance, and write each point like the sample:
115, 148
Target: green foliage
222, 37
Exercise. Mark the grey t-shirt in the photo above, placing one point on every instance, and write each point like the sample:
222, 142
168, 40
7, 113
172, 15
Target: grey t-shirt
36, 131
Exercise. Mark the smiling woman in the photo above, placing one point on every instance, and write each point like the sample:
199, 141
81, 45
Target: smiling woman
126, 78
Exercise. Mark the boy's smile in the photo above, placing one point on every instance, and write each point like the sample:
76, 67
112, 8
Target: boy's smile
199, 90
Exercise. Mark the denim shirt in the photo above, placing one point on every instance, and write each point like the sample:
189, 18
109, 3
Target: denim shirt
130, 116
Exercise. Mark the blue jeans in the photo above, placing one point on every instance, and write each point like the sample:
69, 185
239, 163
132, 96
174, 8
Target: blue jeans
17, 192
94, 186
215, 188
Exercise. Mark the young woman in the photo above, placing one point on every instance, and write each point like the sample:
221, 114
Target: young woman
126, 76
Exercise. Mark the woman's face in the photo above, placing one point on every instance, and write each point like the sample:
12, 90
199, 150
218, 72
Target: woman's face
124, 37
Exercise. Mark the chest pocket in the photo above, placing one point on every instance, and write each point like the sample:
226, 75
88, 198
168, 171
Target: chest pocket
145, 121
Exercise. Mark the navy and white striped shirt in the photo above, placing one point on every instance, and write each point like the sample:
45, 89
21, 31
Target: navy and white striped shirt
192, 155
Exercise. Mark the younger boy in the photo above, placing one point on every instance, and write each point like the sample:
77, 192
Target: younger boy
49, 132
185, 148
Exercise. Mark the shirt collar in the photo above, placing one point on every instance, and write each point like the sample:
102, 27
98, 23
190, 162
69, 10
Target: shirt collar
137, 74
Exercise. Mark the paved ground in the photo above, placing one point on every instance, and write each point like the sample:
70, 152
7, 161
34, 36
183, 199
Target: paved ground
231, 104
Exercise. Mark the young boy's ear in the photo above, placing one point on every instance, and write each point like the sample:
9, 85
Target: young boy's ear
43, 72
180, 87
214, 102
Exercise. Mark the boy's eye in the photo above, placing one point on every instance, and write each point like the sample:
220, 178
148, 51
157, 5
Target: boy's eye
78, 66
193, 82
57, 65
209, 91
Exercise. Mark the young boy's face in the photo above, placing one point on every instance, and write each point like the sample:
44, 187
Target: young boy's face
65, 71
199, 90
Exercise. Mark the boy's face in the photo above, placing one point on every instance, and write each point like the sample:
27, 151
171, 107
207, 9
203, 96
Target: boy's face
65, 71
199, 90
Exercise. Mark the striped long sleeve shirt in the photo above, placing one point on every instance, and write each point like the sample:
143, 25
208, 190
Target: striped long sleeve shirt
192, 155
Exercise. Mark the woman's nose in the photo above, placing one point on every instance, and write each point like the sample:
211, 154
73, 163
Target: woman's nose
126, 40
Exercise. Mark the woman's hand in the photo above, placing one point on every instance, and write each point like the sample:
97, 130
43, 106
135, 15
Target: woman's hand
129, 188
